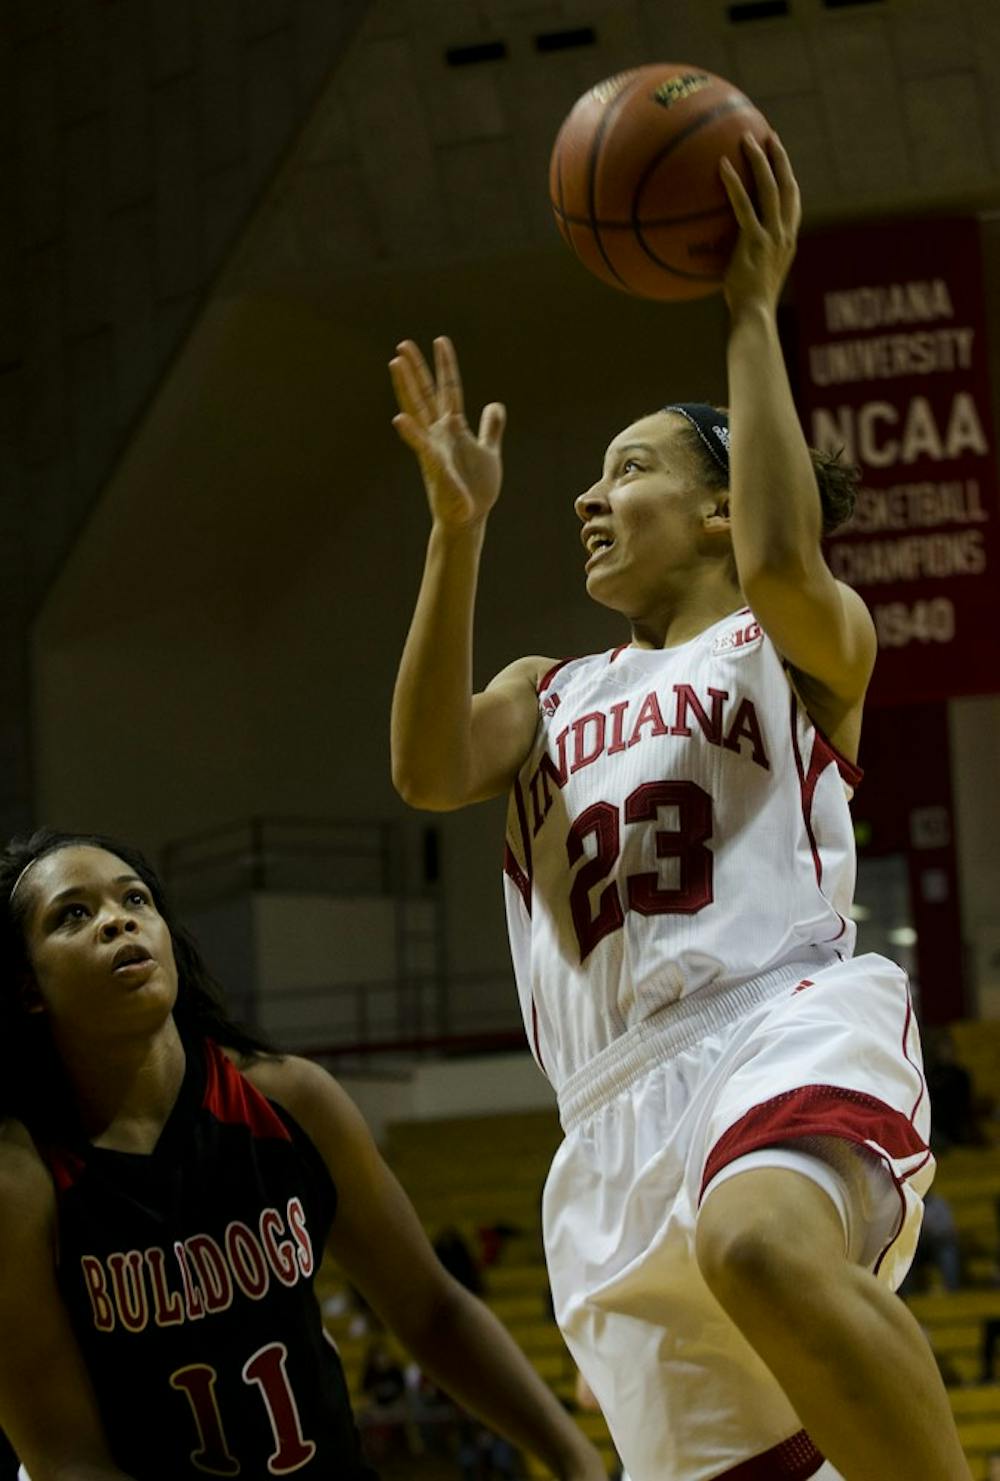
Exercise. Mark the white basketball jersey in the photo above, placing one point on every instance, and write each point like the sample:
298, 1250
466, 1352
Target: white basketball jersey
679, 826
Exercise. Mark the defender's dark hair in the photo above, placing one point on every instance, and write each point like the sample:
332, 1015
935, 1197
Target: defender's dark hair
838, 482
32, 1085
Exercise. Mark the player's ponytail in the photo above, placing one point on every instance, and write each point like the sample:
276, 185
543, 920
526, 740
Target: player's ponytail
838, 487
707, 437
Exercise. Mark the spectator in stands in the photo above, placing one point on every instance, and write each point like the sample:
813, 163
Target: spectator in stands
483, 1456
991, 1327
348, 1299
383, 1418
459, 1261
382, 1380
435, 1417
493, 1239
991, 1332
953, 1111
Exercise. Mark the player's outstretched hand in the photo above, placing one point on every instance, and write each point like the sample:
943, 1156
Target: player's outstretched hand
462, 470
768, 231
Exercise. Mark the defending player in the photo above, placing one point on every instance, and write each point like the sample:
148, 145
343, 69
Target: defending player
167, 1189
738, 1191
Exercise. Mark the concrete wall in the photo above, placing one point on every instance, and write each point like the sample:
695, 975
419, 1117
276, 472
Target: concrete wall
135, 142
486, 1084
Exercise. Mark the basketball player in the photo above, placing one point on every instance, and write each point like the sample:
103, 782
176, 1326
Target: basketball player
738, 1192
167, 1189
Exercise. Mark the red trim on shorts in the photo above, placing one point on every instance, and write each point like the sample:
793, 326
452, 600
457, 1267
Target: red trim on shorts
818, 1110
550, 674
231, 1098
922, 1164
794, 1459
911, 1062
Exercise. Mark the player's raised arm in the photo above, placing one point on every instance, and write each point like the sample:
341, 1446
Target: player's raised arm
821, 626
448, 746
47, 1405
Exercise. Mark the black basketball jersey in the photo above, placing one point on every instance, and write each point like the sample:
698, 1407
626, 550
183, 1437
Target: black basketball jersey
188, 1275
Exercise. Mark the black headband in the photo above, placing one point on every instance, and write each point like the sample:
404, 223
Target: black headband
711, 425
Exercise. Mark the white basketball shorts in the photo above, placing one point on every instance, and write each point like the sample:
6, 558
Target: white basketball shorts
819, 1070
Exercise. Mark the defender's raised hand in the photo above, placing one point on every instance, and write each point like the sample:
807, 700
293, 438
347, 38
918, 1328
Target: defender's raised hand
462, 471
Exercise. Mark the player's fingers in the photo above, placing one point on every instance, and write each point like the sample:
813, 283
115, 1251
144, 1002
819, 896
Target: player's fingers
412, 434
739, 199
449, 380
492, 423
788, 186
418, 377
766, 186
402, 385
412, 395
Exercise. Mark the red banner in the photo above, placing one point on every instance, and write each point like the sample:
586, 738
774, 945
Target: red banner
893, 368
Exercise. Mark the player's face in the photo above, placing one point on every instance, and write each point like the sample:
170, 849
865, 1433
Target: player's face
644, 521
101, 955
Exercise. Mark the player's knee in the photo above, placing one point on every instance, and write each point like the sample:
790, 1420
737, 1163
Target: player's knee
754, 1250
740, 1259
769, 1234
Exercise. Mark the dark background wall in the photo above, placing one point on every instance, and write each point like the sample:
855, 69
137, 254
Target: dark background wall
226, 217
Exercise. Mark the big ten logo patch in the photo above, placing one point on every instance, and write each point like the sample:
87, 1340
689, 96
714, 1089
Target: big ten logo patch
738, 640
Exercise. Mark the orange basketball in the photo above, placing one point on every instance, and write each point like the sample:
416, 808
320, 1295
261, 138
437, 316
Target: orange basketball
634, 178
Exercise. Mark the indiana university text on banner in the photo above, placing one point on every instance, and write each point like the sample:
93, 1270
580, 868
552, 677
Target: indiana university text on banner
894, 369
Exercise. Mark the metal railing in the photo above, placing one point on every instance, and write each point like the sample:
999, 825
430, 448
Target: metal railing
359, 1022
422, 1010
294, 855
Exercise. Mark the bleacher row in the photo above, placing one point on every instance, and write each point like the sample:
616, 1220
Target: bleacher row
489, 1170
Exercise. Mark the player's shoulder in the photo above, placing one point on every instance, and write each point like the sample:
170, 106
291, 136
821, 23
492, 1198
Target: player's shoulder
539, 674
523, 673
25, 1181
17, 1145
300, 1086
277, 1076
320, 1107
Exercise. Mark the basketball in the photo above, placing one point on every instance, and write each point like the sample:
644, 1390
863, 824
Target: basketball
634, 178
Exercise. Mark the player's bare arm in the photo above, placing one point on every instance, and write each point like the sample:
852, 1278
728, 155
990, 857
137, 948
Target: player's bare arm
380, 1245
47, 1405
450, 747
821, 626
